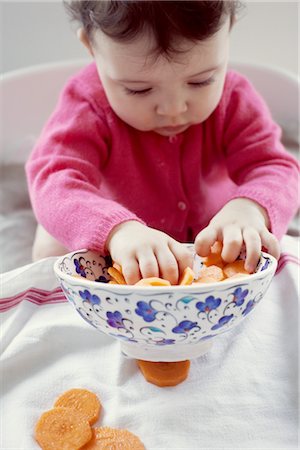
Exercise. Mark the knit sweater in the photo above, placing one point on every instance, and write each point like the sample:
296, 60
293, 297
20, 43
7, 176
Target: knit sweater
90, 171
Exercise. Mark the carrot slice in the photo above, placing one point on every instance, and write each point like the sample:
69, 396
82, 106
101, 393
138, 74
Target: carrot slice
239, 275
117, 267
187, 277
116, 275
63, 429
81, 400
107, 438
216, 248
205, 280
153, 281
236, 267
164, 373
210, 274
214, 258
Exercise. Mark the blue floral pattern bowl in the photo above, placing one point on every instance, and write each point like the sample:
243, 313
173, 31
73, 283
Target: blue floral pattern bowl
160, 323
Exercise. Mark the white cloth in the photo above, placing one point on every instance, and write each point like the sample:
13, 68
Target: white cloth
241, 395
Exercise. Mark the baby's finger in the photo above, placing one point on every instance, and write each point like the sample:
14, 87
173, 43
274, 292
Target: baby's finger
168, 266
253, 248
130, 269
270, 242
205, 239
184, 256
148, 264
232, 243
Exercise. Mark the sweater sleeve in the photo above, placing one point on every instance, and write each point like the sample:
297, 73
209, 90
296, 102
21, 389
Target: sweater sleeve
256, 160
64, 175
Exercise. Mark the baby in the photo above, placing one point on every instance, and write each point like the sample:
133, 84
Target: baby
155, 144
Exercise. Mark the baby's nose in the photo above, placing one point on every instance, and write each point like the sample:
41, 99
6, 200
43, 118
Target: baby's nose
172, 106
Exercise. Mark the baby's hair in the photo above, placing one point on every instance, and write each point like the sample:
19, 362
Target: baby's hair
124, 20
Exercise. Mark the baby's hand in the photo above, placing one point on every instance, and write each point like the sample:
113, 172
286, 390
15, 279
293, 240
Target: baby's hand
145, 252
240, 221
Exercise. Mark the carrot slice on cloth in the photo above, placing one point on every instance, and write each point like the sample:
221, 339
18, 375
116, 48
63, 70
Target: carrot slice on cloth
62, 429
210, 274
106, 438
164, 373
236, 267
82, 400
187, 277
153, 281
116, 275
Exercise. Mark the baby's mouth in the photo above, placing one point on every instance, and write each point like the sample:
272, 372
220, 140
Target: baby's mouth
172, 129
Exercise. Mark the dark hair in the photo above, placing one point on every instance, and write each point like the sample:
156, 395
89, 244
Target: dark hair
123, 20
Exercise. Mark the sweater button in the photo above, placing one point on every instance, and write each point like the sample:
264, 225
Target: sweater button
181, 206
173, 139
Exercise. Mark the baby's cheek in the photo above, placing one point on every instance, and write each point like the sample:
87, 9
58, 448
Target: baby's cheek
130, 112
138, 118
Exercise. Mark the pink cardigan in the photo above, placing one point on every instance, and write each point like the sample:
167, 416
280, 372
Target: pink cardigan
90, 171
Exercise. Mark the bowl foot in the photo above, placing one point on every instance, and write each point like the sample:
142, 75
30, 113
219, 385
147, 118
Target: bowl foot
178, 352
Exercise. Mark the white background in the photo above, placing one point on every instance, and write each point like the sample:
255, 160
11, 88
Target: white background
39, 31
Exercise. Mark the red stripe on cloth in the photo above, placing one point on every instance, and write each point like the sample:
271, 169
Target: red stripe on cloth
37, 296
289, 256
39, 293
284, 260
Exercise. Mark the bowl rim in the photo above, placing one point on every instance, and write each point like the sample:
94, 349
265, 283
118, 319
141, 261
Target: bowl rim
129, 287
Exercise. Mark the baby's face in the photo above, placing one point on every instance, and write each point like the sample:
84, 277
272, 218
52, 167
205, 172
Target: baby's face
161, 95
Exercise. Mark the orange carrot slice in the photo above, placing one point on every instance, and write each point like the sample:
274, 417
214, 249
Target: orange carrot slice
107, 438
234, 268
82, 400
239, 275
203, 280
117, 267
116, 275
210, 274
164, 373
214, 258
153, 281
63, 429
216, 248
187, 277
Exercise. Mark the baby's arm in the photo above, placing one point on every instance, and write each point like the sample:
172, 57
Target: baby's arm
64, 174
266, 177
240, 221
145, 252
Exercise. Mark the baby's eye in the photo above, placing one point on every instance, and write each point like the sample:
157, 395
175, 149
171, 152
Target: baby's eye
202, 83
135, 92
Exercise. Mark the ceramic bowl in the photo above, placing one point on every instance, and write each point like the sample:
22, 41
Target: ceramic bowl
160, 323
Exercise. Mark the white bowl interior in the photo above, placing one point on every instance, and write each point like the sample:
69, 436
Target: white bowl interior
91, 266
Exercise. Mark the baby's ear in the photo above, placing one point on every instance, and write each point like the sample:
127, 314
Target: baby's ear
82, 36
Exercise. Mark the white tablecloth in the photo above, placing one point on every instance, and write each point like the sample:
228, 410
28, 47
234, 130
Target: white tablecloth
241, 395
